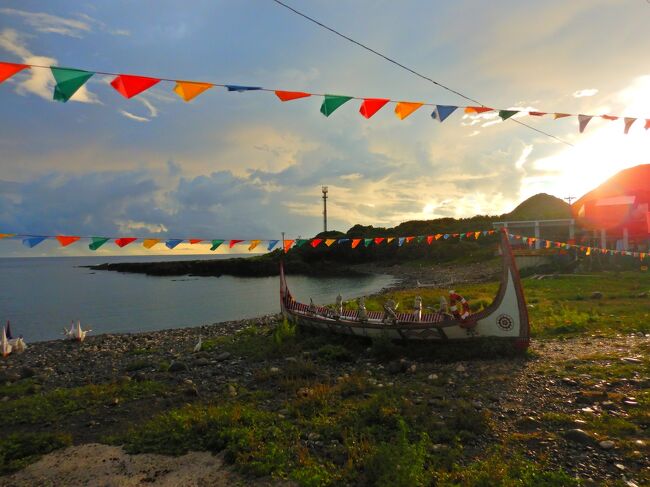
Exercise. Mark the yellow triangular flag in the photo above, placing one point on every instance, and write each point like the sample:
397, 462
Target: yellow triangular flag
476, 234
588, 250
150, 242
404, 108
330, 241
188, 90
254, 243
390, 239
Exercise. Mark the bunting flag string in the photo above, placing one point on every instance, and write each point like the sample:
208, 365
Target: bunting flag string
69, 80
148, 243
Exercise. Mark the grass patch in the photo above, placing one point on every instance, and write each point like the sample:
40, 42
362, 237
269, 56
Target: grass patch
59, 403
19, 450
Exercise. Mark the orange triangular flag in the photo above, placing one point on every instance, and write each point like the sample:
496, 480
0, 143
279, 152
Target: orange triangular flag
7, 70
476, 234
477, 109
390, 239
291, 95
561, 115
287, 245
254, 243
628, 123
7, 235
65, 240
609, 117
330, 241
195, 240
188, 90
355, 242
148, 243
438, 235
404, 108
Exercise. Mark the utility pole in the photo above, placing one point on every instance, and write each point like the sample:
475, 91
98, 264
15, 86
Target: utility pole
570, 198
324, 188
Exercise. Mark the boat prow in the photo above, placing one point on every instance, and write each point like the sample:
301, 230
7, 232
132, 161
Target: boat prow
506, 318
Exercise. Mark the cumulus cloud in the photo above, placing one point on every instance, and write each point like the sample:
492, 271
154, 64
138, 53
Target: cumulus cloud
52, 24
39, 81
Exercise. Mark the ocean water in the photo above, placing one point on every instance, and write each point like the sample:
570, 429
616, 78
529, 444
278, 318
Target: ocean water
42, 295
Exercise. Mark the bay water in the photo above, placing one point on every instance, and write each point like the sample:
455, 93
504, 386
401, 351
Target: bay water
41, 295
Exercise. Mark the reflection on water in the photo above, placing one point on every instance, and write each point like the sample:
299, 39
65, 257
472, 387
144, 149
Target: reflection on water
41, 295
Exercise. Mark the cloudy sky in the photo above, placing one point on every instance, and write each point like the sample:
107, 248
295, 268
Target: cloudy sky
245, 165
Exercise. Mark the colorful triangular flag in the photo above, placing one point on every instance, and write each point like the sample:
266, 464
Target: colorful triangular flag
172, 243
330, 241
478, 109
583, 120
216, 244
287, 245
404, 108
314, 243
68, 81
242, 89
7, 70
628, 123
188, 90
129, 85
148, 243
332, 102
355, 242
441, 112
506, 114
124, 241
254, 243
291, 95
32, 241
233, 243
272, 243
66, 240
96, 242
370, 106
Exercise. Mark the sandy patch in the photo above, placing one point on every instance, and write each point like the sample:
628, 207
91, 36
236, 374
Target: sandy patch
109, 466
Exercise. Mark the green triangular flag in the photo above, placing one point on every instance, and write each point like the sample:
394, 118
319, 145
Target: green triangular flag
331, 103
367, 242
300, 242
97, 242
419, 238
506, 114
68, 81
215, 244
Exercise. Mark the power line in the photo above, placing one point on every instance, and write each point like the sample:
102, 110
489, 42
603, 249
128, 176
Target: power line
410, 70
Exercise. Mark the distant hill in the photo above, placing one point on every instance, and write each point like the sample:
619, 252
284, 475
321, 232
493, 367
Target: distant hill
542, 206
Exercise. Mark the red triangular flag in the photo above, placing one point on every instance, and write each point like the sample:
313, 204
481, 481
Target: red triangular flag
537, 114
233, 242
409, 239
7, 70
291, 95
128, 85
65, 240
370, 106
478, 109
647, 124
430, 239
379, 240
195, 240
314, 243
609, 117
124, 241
628, 123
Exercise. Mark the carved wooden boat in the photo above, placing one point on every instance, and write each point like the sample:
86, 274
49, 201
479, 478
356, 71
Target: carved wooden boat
506, 318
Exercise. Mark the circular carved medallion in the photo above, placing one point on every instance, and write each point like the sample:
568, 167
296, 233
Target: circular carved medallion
505, 322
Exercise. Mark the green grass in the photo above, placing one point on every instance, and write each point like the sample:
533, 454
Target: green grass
59, 403
19, 450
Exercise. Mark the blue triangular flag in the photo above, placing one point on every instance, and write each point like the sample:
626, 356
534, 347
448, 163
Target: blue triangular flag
442, 111
242, 89
272, 243
484, 233
173, 242
32, 241
342, 240
446, 236
400, 242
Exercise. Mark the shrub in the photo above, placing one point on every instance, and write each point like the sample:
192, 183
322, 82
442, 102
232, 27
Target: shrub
20, 449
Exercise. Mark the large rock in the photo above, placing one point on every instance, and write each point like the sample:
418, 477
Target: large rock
178, 367
579, 436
